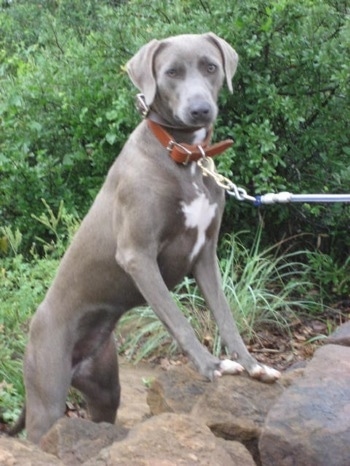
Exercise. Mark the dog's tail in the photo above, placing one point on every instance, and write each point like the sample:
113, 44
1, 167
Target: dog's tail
19, 425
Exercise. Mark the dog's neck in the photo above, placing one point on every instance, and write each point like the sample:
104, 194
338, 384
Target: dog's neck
181, 134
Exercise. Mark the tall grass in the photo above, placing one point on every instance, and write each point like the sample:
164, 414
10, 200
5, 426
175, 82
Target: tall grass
263, 287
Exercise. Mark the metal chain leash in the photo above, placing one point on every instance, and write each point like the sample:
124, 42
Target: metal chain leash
207, 166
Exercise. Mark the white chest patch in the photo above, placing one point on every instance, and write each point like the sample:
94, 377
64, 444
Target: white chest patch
199, 136
198, 214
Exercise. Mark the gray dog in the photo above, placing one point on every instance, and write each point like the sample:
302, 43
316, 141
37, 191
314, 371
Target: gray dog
155, 220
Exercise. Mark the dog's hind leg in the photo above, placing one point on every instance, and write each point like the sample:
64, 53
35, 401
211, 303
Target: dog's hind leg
97, 378
47, 371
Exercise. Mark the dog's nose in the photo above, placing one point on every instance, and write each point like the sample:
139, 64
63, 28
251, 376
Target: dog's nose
201, 111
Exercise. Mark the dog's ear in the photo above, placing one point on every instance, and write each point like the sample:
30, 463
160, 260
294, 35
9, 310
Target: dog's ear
229, 56
140, 70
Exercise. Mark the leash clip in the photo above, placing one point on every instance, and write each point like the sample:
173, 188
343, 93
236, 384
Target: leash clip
141, 105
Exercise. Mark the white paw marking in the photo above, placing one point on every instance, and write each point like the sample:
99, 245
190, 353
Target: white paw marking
198, 214
265, 373
228, 367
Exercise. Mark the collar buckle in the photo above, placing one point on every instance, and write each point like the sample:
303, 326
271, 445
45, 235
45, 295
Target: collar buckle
182, 148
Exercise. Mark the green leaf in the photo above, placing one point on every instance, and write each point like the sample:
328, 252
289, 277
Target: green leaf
111, 138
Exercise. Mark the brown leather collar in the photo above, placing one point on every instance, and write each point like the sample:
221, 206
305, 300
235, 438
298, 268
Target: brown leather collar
184, 153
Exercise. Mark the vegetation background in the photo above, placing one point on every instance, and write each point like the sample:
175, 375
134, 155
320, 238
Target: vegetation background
67, 108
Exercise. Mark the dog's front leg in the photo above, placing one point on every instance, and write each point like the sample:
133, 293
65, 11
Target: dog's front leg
208, 278
146, 274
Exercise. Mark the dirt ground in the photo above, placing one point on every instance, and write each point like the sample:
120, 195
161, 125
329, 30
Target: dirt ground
134, 380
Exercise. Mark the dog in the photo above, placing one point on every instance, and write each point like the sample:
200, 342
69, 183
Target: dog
155, 220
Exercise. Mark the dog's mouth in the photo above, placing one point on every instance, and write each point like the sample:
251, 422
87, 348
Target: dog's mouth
192, 113
192, 117
197, 115
177, 123
189, 121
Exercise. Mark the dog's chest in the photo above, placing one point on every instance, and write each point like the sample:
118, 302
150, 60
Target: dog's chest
199, 209
198, 215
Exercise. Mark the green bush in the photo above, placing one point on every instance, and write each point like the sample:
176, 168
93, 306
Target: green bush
66, 105
333, 279
291, 110
62, 115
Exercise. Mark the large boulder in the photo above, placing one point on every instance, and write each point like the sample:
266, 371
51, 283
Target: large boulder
170, 440
341, 336
176, 390
234, 408
310, 423
77, 440
20, 452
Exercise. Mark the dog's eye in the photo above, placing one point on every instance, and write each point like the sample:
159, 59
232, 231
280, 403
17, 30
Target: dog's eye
211, 68
171, 72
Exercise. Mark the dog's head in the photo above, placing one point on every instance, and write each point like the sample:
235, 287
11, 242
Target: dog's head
181, 76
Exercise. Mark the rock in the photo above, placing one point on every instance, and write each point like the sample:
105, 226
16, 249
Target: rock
176, 390
238, 452
291, 375
235, 408
77, 440
341, 336
20, 452
310, 423
169, 440
134, 380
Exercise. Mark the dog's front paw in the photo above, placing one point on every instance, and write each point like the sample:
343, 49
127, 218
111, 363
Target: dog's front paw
228, 367
264, 373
